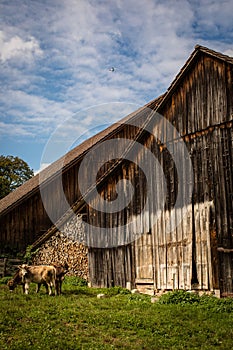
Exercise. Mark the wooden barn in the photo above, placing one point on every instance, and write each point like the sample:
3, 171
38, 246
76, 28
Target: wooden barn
182, 237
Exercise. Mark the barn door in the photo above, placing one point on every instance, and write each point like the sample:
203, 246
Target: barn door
173, 252
167, 260
186, 249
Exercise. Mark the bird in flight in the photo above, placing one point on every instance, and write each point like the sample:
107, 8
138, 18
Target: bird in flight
112, 69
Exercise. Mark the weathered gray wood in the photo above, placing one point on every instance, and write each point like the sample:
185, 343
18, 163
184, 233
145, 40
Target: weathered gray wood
201, 108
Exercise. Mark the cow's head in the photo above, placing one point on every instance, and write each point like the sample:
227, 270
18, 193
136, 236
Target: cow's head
23, 270
11, 284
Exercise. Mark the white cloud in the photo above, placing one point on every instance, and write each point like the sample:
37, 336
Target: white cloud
13, 130
17, 48
213, 16
42, 167
37, 115
229, 52
76, 43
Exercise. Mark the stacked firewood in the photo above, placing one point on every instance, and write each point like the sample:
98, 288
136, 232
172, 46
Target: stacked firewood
66, 246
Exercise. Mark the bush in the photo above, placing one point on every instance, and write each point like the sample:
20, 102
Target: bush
217, 305
224, 305
179, 297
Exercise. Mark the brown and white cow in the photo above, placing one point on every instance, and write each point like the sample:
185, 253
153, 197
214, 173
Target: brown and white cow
43, 274
61, 270
18, 279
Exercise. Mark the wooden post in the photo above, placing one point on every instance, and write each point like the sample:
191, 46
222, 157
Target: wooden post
4, 267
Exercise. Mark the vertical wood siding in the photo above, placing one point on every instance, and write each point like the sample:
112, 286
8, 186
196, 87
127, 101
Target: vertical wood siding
201, 108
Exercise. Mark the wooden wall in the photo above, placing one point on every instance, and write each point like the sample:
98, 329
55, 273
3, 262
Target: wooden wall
27, 221
21, 225
111, 267
201, 108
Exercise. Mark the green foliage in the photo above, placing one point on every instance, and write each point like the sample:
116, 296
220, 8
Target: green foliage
13, 173
179, 297
182, 298
224, 305
77, 319
29, 254
216, 305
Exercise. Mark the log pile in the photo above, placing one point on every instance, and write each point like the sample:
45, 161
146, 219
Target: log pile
67, 246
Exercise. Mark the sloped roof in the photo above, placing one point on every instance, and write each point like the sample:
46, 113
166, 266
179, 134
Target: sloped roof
29, 187
192, 58
32, 185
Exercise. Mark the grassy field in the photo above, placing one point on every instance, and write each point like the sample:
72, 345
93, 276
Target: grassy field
79, 320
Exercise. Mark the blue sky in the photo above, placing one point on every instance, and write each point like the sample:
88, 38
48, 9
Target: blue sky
55, 58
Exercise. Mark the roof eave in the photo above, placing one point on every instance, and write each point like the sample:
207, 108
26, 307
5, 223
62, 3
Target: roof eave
188, 64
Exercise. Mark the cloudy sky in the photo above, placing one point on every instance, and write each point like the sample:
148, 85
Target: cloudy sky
56, 55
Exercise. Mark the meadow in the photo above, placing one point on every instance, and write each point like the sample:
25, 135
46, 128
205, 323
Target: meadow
77, 319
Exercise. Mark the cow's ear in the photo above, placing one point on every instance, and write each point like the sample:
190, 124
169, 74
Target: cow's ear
24, 266
20, 266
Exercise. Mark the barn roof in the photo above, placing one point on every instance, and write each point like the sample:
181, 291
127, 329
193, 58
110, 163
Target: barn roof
195, 55
32, 185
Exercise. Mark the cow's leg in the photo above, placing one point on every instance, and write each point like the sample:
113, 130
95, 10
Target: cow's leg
45, 283
57, 286
49, 288
60, 283
38, 287
23, 287
26, 287
53, 284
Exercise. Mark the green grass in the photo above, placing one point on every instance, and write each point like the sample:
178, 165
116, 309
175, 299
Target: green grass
78, 320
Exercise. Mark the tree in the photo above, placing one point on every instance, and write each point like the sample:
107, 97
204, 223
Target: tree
13, 173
